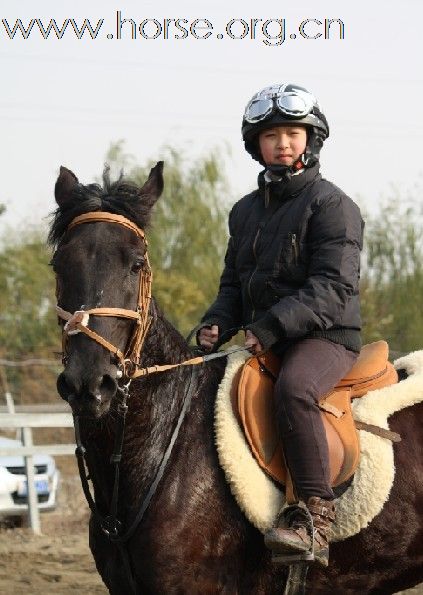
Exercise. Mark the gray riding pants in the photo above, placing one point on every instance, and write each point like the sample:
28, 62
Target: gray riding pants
310, 369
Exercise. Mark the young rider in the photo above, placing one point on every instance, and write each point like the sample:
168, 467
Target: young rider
291, 280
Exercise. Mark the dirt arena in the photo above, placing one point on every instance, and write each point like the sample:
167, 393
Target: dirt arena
59, 561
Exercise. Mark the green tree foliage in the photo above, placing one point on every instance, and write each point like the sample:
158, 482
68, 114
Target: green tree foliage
28, 323
27, 316
392, 283
188, 237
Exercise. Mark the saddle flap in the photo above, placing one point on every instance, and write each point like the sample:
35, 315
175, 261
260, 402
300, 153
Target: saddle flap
257, 415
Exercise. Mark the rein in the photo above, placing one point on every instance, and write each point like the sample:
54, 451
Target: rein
110, 524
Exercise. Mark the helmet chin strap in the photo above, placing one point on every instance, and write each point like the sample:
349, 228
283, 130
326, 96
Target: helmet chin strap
285, 172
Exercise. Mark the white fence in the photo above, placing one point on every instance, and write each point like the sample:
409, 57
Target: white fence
25, 422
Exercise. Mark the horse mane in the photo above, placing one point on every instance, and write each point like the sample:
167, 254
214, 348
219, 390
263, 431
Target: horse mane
121, 197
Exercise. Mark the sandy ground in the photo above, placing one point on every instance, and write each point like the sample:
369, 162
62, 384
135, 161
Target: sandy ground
46, 564
59, 561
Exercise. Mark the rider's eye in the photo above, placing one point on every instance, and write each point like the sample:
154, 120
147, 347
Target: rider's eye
137, 266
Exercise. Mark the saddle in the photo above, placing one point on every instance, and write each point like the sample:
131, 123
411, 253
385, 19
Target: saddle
255, 407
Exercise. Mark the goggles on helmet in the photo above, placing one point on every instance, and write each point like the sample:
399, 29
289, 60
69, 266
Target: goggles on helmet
291, 101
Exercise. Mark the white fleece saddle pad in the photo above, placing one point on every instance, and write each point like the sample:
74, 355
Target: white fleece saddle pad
261, 500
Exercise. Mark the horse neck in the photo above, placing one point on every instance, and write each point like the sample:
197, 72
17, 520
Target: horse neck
154, 406
163, 343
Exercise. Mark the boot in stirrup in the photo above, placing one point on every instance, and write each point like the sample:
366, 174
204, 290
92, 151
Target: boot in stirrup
292, 536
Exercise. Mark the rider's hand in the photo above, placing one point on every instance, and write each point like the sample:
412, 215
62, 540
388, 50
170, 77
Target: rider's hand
252, 343
207, 336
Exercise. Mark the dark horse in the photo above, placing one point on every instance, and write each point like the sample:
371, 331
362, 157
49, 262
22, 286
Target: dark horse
193, 537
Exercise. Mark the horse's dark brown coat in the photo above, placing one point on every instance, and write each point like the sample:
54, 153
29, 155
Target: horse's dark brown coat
194, 539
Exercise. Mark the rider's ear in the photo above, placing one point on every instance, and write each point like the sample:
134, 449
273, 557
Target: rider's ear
153, 187
65, 185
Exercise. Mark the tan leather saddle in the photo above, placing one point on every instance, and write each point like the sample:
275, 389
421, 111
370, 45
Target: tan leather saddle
255, 408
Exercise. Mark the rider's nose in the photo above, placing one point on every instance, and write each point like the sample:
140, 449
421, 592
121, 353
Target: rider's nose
282, 141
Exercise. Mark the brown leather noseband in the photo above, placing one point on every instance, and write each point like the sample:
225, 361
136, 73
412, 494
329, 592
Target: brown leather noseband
78, 321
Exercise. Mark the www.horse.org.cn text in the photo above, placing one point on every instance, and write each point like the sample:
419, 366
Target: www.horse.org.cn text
270, 31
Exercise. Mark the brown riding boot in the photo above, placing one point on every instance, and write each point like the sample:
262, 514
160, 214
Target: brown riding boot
294, 539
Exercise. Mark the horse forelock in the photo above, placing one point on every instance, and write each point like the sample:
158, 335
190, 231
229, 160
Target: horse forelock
121, 197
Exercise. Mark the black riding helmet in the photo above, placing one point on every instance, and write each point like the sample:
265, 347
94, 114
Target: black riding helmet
284, 105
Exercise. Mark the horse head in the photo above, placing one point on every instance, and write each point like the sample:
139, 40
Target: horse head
99, 267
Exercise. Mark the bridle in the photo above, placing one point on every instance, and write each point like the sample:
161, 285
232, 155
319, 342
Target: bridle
78, 321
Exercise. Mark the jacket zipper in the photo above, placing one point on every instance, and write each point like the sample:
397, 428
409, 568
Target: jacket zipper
266, 204
293, 237
253, 273
266, 196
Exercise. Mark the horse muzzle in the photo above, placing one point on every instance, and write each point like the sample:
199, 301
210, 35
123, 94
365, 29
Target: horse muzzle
88, 398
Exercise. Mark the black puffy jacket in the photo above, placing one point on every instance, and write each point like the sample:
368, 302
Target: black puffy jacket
292, 266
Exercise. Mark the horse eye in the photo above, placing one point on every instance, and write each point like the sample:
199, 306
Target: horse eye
138, 264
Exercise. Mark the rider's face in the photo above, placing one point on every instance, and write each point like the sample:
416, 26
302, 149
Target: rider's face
282, 145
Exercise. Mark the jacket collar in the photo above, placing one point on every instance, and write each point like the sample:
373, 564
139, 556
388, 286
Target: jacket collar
286, 189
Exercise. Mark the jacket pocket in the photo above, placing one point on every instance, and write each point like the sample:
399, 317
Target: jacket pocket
290, 263
292, 238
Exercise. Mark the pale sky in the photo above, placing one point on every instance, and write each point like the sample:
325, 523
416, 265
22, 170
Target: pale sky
64, 101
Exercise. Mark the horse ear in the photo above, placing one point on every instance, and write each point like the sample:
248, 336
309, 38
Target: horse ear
65, 185
153, 187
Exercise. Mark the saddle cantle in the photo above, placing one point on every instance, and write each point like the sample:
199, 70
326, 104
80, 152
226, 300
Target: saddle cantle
255, 407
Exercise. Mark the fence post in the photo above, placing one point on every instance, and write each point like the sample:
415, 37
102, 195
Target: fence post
34, 513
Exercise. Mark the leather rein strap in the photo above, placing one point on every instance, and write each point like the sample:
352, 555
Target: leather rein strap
110, 525
78, 321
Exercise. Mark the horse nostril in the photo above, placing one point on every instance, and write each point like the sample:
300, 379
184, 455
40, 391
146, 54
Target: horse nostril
108, 387
65, 387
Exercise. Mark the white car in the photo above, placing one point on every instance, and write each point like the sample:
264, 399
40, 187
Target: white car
13, 484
